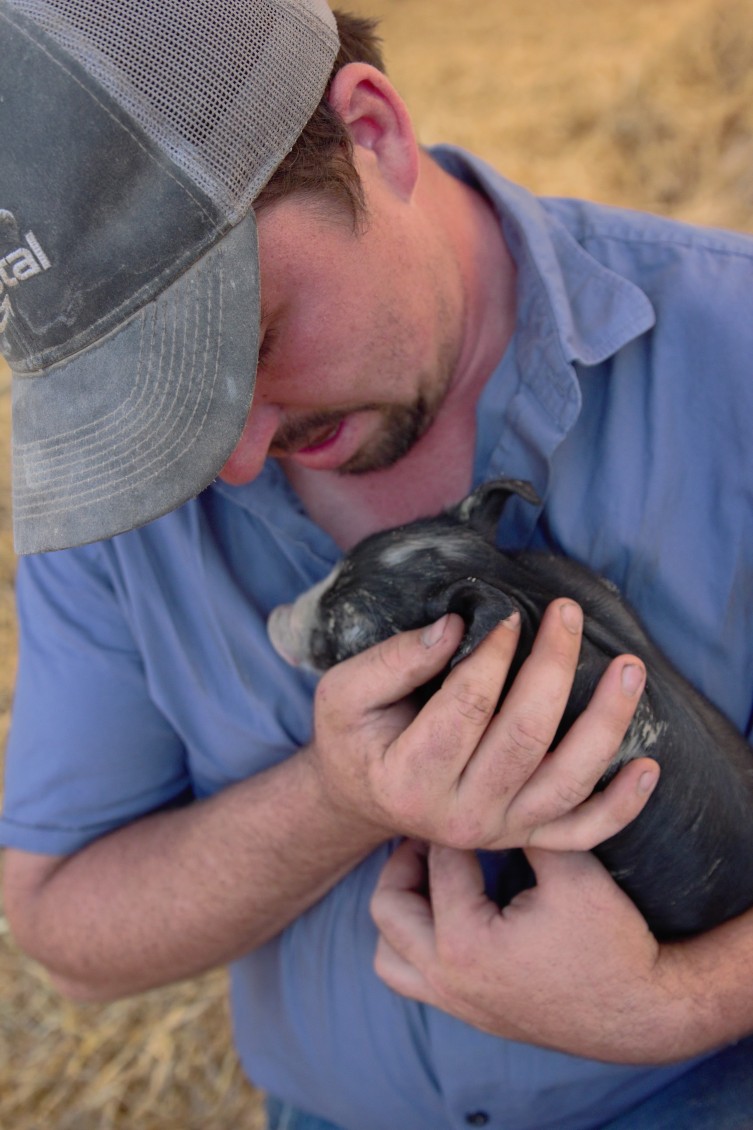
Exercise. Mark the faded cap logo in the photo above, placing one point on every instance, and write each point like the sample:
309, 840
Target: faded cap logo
26, 260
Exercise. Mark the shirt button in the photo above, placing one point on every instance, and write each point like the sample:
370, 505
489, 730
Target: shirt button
477, 1118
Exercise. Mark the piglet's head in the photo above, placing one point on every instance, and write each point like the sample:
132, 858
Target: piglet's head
404, 578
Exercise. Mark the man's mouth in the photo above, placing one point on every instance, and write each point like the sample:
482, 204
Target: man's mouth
329, 446
322, 439
306, 434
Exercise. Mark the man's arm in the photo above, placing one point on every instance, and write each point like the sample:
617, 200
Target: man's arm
569, 964
184, 890
181, 891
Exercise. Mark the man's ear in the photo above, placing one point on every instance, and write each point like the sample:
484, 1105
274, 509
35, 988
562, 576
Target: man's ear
378, 122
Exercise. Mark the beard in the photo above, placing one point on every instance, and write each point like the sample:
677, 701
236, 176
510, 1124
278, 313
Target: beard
401, 428
401, 425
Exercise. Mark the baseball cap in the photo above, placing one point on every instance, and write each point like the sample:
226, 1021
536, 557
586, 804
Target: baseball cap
136, 135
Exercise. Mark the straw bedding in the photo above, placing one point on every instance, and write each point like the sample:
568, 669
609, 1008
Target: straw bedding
628, 101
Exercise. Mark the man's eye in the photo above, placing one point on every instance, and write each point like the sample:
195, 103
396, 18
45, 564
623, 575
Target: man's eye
266, 346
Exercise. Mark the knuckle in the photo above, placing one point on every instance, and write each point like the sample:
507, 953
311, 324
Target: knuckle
527, 735
393, 656
384, 655
570, 792
616, 724
473, 703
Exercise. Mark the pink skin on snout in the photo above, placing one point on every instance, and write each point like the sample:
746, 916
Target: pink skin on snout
290, 625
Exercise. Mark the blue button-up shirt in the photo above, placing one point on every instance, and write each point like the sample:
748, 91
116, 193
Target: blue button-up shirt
145, 674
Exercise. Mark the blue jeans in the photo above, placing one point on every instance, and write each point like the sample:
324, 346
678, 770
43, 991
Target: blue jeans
716, 1095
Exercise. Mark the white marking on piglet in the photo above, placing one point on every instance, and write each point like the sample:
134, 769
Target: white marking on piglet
394, 556
642, 736
353, 630
650, 732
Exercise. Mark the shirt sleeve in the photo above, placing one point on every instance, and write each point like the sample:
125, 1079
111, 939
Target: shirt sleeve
88, 749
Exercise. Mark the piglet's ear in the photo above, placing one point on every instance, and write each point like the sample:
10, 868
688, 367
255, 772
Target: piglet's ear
482, 509
481, 605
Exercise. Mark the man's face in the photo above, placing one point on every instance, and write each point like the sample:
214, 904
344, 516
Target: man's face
360, 335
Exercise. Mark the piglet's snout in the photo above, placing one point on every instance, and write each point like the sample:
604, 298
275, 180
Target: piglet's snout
280, 629
290, 626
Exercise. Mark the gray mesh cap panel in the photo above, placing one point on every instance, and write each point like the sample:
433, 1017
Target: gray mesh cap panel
215, 94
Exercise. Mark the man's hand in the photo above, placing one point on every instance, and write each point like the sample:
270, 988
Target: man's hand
569, 964
460, 774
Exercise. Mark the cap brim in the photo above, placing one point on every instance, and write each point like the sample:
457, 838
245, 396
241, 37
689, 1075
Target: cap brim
143, 420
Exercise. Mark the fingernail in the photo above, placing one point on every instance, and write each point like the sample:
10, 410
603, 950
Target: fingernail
647, 782
433, 633
512, 621
632, 679
572, 617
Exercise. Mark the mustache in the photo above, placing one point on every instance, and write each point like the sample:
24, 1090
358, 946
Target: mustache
402, 425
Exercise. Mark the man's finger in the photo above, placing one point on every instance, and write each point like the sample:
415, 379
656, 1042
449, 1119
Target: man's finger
399, 905
563, 870
403, 916
570, 774
604, 814
405, 869
469, 695
522, 732
453, 722
395, 668
400, 974
463, 912
456, 885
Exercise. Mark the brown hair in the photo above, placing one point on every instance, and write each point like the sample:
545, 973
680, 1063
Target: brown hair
321, 161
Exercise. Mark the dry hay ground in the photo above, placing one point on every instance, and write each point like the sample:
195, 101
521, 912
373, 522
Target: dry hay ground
647, 103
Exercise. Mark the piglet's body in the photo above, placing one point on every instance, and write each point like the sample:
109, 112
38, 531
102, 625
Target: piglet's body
687, 860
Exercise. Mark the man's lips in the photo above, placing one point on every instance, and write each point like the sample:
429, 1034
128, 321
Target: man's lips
303, 434
325, 445
329, 435
333, 446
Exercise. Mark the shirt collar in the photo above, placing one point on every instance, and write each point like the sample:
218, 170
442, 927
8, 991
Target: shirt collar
571, 311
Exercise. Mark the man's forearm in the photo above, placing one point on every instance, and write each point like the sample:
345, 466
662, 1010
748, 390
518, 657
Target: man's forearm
712, 972
185, 890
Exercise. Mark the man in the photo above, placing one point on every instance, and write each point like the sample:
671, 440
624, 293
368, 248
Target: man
172, 801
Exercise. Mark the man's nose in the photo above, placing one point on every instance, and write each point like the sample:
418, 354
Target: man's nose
248, 455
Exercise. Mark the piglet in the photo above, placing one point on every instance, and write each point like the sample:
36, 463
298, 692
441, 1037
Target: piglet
687, 860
